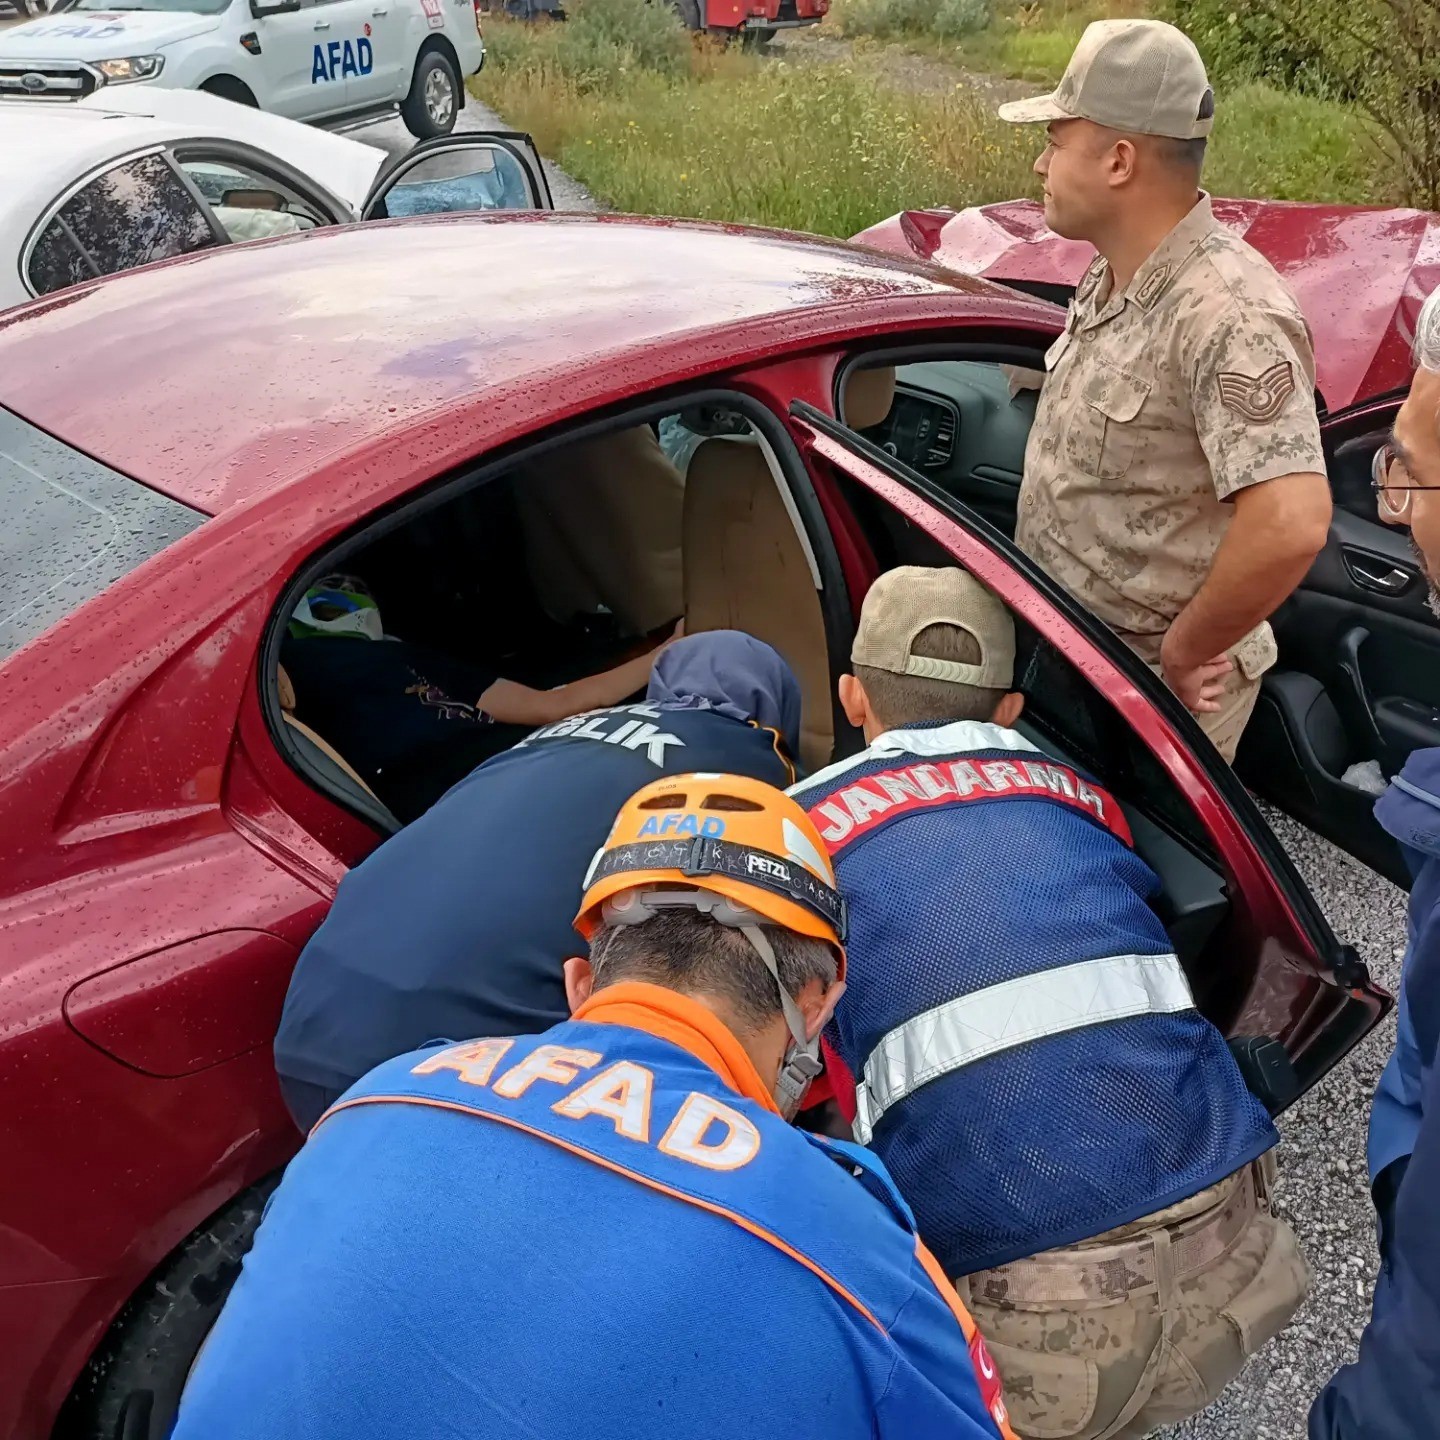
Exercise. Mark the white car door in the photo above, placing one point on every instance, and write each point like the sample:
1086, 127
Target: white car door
479, 170
389, 53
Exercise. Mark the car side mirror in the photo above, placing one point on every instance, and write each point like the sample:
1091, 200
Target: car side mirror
261, 8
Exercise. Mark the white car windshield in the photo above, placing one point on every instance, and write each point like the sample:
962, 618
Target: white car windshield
180, 7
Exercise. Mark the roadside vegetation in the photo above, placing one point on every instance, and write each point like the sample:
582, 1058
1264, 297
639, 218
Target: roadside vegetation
656, 121
1284, 127
721, 134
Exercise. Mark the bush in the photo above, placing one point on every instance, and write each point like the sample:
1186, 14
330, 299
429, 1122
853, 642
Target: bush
601, 40
910, 19
1382, 56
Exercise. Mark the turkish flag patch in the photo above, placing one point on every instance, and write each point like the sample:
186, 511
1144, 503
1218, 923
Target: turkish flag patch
1258, 398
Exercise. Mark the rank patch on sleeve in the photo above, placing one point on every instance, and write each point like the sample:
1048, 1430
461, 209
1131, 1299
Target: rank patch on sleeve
1258, 398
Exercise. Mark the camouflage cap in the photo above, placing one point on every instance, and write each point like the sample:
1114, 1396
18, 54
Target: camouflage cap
1140, 76
906, 600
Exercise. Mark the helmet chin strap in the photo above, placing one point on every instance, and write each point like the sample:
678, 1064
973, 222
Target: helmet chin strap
802, 1058
801, 1063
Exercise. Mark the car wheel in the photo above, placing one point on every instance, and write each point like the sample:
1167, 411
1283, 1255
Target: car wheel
228, 88
35, 8
131, 1387
435, 97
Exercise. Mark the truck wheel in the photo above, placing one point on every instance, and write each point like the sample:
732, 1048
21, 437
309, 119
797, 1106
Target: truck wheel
689, 13
131, 1387
228, 88
435, 98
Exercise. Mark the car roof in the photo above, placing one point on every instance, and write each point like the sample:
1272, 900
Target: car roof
45, 146
412, 346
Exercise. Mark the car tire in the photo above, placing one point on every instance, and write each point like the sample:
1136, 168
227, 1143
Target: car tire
435, 99
228, 88
131, 1388
34, 9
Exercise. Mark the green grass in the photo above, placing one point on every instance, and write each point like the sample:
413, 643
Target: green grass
655, 124
818, 148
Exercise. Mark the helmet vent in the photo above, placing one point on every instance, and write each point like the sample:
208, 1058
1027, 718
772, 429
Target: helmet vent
663, 802
729, 802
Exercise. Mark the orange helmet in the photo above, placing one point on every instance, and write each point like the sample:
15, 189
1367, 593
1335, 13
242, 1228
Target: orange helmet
726, 835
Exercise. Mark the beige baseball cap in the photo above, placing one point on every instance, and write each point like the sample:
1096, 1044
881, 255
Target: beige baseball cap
902, 602
1141, 76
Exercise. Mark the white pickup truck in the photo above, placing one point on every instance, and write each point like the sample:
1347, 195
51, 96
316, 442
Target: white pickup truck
329, 61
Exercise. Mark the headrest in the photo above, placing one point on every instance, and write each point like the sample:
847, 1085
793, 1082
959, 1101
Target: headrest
868, 396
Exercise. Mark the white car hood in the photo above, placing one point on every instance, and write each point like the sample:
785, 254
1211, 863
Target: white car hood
101, 35
346, 168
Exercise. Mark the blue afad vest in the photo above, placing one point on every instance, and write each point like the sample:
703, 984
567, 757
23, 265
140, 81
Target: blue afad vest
584, 1232
1028, 1059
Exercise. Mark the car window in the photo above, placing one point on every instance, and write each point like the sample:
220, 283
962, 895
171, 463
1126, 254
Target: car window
57, 261
132, 214
248, 203
72, 528
485, 177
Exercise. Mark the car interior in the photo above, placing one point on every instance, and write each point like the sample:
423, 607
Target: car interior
1358, 682
591, 551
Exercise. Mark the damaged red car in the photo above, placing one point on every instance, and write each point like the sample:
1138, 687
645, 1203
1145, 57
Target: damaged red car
540, 439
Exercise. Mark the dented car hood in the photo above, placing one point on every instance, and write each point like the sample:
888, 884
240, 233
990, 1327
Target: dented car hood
1359, 274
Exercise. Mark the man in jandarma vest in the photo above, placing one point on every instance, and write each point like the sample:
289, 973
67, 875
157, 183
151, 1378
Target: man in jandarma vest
1074, 1138
610, 1228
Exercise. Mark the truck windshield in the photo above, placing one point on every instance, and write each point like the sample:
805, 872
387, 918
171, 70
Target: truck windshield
72, 528
188, 7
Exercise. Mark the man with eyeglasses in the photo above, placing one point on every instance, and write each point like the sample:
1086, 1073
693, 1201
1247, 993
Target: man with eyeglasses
1392, 1392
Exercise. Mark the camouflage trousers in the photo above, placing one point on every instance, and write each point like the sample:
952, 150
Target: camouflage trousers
1144, 1325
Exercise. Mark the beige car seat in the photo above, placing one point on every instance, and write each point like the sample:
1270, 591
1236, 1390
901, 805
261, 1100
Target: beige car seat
287, 712
748, 568
602, 526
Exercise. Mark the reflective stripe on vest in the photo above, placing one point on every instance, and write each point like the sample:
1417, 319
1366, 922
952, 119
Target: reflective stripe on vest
1032, 1007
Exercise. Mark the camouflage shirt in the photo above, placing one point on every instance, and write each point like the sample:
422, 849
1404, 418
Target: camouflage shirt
1158, 405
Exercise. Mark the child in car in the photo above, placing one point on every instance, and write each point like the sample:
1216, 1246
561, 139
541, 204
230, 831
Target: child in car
1073, 1136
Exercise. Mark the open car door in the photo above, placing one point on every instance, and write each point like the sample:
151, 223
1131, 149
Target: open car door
1263, 963
1359, 673
476, 170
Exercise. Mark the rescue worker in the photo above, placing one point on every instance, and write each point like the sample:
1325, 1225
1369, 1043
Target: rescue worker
1072, 1135
1174, 479
459, 924
1393, 1391
610, 1229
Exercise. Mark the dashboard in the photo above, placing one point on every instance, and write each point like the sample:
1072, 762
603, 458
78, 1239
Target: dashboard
956, 422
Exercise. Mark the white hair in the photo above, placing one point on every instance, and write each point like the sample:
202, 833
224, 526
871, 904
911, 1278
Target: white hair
1427, 334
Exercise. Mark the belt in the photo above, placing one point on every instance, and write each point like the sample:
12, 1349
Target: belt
1085, 1273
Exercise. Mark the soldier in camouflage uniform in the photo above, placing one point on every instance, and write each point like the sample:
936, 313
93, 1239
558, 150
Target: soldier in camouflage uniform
1174, 479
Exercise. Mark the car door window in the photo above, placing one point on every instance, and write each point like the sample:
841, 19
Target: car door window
494, 171
133, 214
247, 202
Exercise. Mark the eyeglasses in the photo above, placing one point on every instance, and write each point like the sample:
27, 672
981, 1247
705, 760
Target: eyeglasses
1385, 456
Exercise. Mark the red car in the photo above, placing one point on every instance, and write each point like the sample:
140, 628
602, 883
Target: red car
464, 410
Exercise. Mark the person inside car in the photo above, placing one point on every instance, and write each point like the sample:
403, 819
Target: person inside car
459, 925
411, 720
609, 1228
1392, 1392
1074, 1137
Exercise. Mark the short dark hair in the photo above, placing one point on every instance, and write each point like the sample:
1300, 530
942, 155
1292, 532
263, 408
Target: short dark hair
899, 700
1182, 154
684, 950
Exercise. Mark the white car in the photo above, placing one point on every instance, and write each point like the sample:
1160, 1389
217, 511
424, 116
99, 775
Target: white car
332, 61
125, 178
